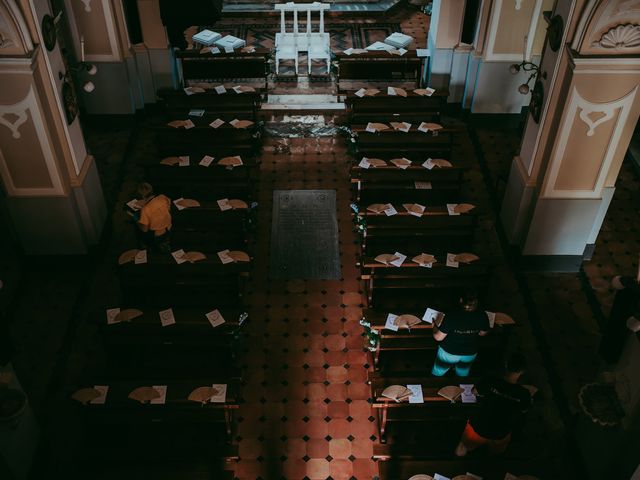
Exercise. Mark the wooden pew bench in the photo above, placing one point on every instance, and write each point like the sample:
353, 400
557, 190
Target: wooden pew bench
162, 282
419, 339
395, 108
410, 185
434, 231
379, 66
411, 280
391, 142
192, 343
203, 67
392, 466
213, 103
202, 138
209, 228
434, 410
118, 409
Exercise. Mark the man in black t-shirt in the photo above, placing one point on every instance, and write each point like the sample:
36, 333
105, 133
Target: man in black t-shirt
501, 403
458, 334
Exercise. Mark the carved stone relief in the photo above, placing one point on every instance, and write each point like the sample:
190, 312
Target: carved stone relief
87, 5
620, 37
4, 41
518, 4
13, 116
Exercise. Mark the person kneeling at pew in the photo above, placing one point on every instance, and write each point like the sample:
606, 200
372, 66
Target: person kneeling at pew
154, 222
502, 402
458, 335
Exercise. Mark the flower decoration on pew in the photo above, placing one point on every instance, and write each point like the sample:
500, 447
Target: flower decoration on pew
373, 337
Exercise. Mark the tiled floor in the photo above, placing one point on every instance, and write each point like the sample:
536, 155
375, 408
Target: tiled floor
306, 413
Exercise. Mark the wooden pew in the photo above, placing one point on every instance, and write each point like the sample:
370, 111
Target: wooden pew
203, 138
162, 282
428, 284
395, 108
419, 339
434, 410
379, 66
205, 183
435, 231
391, 142
192, 343
406, 466
227, 104
177, 409
209, 228
202, 67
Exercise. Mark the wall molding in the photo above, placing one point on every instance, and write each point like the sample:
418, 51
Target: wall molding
30, 104
490, 56
109, 22
578, 107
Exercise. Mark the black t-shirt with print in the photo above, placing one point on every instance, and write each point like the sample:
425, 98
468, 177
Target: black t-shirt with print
501, 404
462, 328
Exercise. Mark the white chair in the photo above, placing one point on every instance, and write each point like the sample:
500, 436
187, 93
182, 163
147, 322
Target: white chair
286, 51
319, 52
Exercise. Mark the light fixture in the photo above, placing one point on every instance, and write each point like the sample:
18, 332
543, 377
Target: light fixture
526, 67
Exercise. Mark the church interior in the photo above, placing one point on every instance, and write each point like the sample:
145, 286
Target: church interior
340, 240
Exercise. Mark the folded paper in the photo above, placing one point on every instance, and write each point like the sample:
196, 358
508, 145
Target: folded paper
215, 318
451, 260
178, 256
141, 257
433, 316
112, 314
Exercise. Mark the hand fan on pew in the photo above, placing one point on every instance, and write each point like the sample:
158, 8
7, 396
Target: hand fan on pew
401, 162
414, 209
466, 258
243, 89
127, 315
377, 207
424, 259
369, 92
406, 321
424, 92
186, 124
429, 127
192, 90
239, 256
240, 124
203, 394
128, 256
437, 163
231, 162
193, 257
85, 395
396, 91
237, 204
373, 127
171, 161
397, 393
144, 394
421, 476
386, 258
450, 392
467, 476
187, 203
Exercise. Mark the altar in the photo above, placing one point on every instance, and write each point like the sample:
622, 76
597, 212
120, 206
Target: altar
289, 44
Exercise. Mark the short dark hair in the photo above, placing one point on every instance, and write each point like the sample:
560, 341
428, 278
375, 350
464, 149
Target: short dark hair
145, 190
516, 362
469, 298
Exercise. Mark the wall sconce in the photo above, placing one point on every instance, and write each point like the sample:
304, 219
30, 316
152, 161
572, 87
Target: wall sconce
82, 67
526, 67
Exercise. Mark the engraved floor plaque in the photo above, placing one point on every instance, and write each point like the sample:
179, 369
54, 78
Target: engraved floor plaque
304, 235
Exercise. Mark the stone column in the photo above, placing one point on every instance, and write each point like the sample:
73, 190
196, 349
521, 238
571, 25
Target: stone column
561, 183
54, 196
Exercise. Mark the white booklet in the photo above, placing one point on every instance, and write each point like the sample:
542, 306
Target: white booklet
433, 316
224, 204
220, 89
416, 394
103, 389
390, 210
112, 313
398, 261
451, 260
140, 258
196, 112
178, 256
166, 317
188, 124
492, 318
361, 93
206, 160
224, 256
183, 161
162, 399
215, 318
389, 324
451, 209
428, 164
364, 163
422, 185
216, 123
176, 202
221, 396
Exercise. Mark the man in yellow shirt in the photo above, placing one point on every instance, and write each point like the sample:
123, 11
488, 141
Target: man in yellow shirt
155, 218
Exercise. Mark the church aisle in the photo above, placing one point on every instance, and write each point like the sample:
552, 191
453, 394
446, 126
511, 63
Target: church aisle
306, 412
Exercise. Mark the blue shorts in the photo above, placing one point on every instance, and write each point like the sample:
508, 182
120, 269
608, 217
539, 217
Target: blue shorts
444, 361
